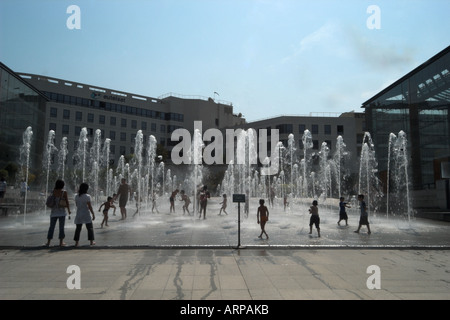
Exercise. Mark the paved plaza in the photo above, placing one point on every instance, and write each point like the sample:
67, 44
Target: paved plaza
164, 256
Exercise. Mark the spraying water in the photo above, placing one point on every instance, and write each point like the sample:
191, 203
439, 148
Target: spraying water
106, 153
291, 150
340, 155
62, 156
196, 153
80, 156
151, 155
397, 175
307, 145
25, 161
368, 183
95, 156
49, 150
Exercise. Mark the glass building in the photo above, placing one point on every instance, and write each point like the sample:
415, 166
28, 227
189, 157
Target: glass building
419, 105
21, 106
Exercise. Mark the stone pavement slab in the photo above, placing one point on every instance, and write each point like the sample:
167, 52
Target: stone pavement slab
224, 274
171, 257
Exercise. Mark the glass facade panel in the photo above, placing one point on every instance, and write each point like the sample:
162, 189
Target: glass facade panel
21, 106
419, 105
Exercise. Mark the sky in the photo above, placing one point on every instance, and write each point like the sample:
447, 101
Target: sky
267, 57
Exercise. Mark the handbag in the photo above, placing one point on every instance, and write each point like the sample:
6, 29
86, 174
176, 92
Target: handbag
51, 201
62, 201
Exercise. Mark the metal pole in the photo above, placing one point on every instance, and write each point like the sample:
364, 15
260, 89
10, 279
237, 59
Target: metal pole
239, 225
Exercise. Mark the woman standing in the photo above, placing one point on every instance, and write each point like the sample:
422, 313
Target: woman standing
58, 212
83, 202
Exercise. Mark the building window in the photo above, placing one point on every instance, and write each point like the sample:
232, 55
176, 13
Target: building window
328, 142
359, 138
52, 126
77, 131
123, 136
144, 125
162, 128
327, 129
284, 128
316, 144
153, 128
112, 121
90, 117
101, 119
78, 116
315, 129
123, 123
301, 128
65, 129
133, 124
112, 135
122, 150
53, 112
66, 114
340, 129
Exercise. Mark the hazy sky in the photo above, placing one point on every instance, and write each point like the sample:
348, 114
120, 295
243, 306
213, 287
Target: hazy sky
267, 57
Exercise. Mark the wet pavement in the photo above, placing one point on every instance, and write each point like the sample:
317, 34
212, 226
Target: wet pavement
286, 228
174, 257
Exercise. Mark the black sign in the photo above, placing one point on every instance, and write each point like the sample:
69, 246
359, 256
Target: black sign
238, 197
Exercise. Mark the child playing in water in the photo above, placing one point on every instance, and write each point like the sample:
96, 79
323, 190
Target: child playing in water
342, 212
224, 205
106, 206
262, 217
154, 202
187, 201
314, 211
172, 200
364, 217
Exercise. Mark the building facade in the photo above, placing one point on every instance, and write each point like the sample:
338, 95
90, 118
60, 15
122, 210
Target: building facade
419, 105
21, 106
324, 128
119, 115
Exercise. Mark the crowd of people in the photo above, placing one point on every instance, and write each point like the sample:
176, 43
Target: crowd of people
59, 203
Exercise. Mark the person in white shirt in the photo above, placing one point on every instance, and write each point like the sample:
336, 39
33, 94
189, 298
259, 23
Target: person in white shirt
83, 202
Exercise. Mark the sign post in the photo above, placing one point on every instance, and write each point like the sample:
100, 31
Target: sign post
239, 198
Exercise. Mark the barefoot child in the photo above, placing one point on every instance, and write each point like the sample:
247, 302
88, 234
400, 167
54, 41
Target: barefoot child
154, 202
342, 212
187, 201
314, 211
262, 217
364, 216
172, 200
224, 205
107, 205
